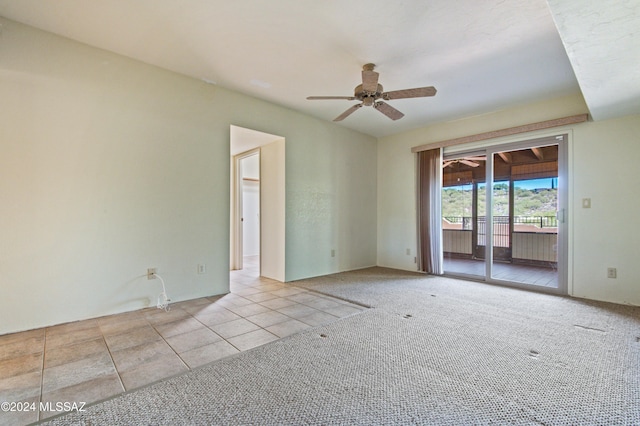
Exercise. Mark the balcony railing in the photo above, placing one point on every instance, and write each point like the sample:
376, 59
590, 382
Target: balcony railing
534, 238
537, 221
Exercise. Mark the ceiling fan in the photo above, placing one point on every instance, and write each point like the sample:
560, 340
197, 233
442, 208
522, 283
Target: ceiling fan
468, 161
370, 93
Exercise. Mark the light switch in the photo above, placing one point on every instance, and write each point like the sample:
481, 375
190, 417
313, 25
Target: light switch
586, 203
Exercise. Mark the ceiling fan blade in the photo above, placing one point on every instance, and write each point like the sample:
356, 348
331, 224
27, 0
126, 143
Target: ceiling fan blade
447, 163
320, 98
370, 81
419, 92
347, 112
388, 110
469, 163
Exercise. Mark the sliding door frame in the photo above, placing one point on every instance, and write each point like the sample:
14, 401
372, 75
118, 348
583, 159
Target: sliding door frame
562, 140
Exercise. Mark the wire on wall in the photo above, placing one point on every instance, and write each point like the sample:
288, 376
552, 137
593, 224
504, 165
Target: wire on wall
163, 299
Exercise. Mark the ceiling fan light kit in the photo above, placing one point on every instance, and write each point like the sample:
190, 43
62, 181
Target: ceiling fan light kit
370, 93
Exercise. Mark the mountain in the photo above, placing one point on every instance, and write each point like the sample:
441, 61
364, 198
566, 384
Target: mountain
456, 201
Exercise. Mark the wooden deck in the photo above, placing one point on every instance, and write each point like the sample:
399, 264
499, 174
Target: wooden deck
533, 275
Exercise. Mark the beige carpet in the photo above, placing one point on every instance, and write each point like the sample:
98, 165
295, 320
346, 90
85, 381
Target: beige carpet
429, 351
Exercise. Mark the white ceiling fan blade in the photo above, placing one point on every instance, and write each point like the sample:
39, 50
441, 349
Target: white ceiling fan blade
388, 110
347, 112
321, 98
419, 92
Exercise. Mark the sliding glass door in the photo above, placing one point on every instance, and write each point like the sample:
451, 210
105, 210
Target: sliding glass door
502, 214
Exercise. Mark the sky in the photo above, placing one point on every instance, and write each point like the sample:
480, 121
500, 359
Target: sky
546, 183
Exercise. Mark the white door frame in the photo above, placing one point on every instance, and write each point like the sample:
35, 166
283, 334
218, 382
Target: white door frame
236, 216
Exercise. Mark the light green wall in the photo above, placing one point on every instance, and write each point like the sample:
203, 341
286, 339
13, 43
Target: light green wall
109, 166
602, 166
605, 169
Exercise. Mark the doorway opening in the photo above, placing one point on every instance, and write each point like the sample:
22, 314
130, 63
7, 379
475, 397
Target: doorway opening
248, 169
257, 204
503, 214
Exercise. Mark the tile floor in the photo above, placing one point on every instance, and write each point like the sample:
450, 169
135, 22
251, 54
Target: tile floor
87, 361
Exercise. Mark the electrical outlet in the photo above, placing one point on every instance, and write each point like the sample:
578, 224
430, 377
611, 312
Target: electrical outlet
408, 252
612, 273
202, 268
333, 253
151, 273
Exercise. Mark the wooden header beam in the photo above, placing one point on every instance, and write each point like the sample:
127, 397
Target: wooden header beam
504, 132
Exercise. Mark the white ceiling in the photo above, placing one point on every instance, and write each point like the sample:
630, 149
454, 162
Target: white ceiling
602, 40
481, 55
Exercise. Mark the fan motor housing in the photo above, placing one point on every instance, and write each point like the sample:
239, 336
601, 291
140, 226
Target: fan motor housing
366, 97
